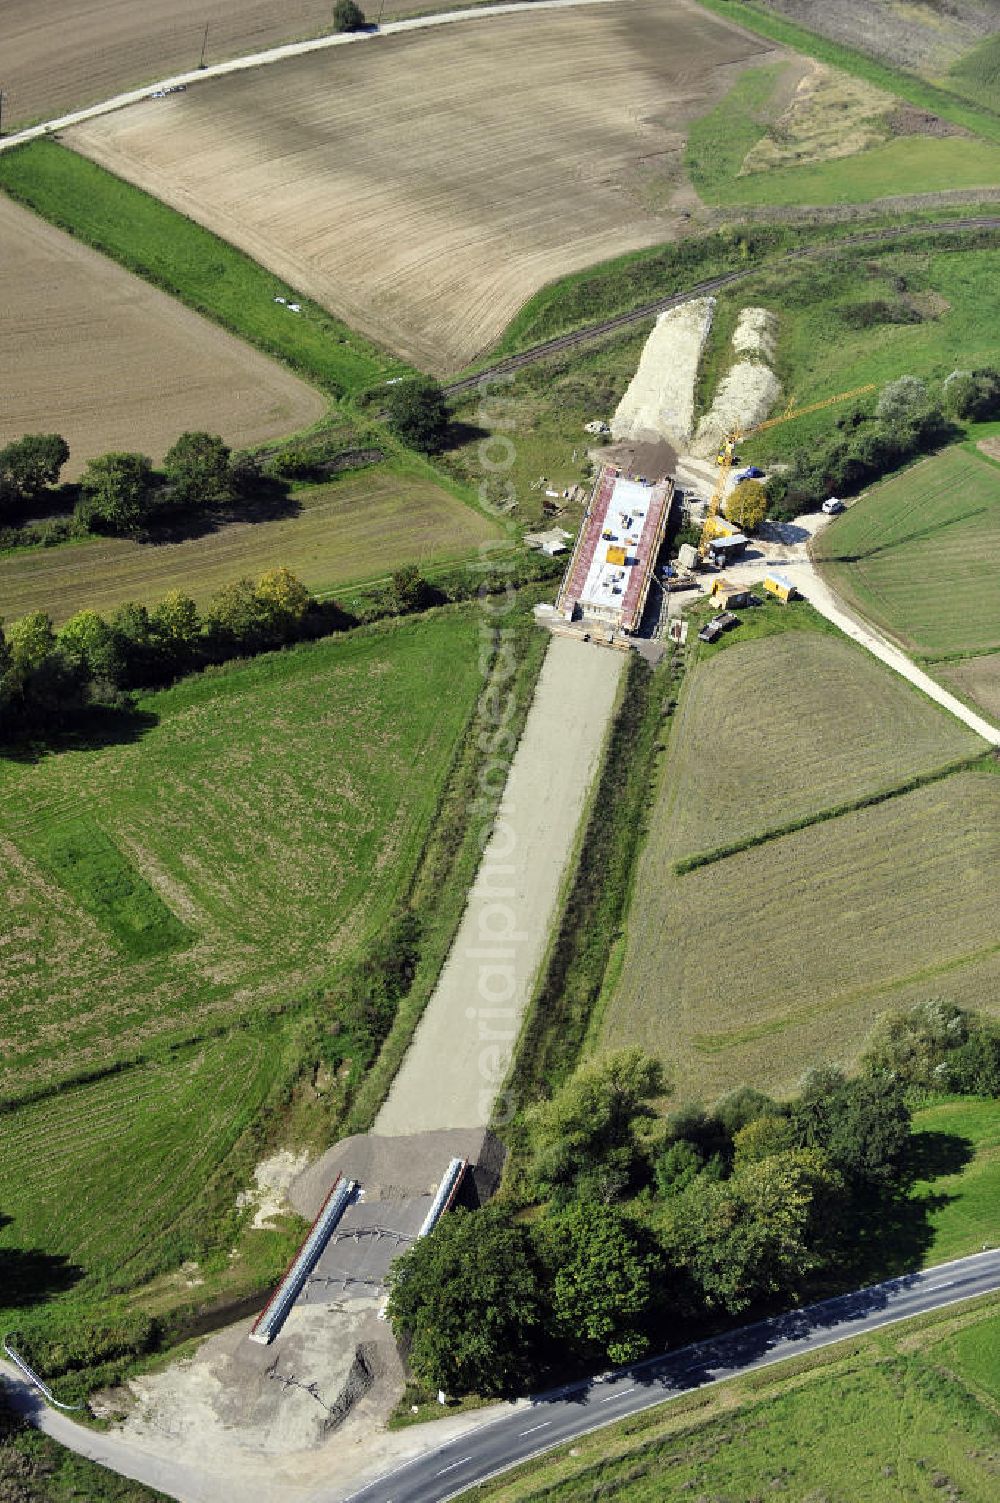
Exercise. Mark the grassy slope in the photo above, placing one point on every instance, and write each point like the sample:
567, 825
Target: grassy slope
352, 531
801, 942
258, 804
820, 354
67, 1187
920, 555
910, 1412
974, 116
36, 1469
977, 74
961, 1205
191, 263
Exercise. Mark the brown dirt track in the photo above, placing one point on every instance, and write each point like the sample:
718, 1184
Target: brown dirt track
99, 356
424, 186
60, 55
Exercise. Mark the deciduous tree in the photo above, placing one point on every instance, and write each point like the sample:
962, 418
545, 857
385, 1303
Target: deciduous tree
115, 492
747, 506
418, 414
602, 1269
29, 465
467, 1298
199, 471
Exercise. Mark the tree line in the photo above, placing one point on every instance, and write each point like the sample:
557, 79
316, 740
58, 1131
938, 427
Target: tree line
122, 492
908, 420
638, 1228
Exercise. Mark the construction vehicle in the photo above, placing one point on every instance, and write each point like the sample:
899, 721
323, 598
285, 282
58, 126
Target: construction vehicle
727, 456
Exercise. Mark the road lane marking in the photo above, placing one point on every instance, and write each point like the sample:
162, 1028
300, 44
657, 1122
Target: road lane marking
451, 1467
622, 1395
946, 1285
543, 1426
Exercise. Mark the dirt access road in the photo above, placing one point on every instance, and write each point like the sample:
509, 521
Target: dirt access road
462, 1048
787, 549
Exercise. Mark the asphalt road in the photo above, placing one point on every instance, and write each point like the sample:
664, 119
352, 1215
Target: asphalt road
568, 1413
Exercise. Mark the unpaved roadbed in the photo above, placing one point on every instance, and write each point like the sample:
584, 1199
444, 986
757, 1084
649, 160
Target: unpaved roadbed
463, 1045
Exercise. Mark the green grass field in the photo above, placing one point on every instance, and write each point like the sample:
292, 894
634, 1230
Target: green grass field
719, 141
355, 530
112, 1178
270, 813
947, 296
920, 555
194, 265
908, 1413
751, 968
961, 1207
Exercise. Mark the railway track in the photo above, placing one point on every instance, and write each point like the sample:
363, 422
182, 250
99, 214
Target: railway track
699, 289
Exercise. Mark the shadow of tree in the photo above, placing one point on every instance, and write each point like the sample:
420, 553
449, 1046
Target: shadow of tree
29, 1276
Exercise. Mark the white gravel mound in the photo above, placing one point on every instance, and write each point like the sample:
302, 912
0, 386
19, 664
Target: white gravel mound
749, 389
659, 401
744, 398
756, 333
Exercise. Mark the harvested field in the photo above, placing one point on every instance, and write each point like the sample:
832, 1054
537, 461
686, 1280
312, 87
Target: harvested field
69, 53
275, 809
97, 355
976, 678
926, 38
827, 725
358, 528
755, 967
920, 555
563, 116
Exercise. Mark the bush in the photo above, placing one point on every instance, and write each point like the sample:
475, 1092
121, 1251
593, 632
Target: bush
417, 413
879, 311
901, 400
973, 395
347, 16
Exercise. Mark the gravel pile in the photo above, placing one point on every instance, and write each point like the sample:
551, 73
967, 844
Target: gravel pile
659, 401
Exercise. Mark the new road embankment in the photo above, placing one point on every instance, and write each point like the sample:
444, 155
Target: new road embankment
463, 1046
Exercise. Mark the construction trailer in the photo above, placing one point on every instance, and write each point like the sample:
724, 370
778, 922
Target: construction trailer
728, 596
781, 587
723, 550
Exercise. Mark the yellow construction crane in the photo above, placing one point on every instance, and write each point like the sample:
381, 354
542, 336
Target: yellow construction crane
727, 453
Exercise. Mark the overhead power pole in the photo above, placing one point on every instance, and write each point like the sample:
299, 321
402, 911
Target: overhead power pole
204, 44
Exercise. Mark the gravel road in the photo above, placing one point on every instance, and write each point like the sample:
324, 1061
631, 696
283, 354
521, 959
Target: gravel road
462, 1047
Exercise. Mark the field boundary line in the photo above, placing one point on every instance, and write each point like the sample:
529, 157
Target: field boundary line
280, 54
836, 811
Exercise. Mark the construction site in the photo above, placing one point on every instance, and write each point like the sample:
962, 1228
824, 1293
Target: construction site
624, 585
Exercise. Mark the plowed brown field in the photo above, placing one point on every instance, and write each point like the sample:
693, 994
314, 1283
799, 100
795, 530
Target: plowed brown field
423, 187
95, 354
60, 55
